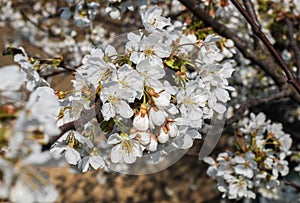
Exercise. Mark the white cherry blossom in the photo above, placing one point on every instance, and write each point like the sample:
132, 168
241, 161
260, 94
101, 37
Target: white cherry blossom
94, 68
151, 73
157, 117
191, 101
152, 146
151, 47
152, 19
245, 165
130, 81
126, 148
115, 101
93, 161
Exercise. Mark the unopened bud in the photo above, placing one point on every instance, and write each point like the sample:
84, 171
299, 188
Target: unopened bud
163, 137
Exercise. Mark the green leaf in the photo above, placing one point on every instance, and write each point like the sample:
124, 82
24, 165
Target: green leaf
170, 62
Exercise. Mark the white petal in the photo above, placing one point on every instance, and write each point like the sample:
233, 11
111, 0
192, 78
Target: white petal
129, 158
172, 109
143, 137
114, 139
209, 160
116, 153
163, 100
220, 108
222, 95
11, 78
83, 140
110, 51
153, 145
56, 150
72, 156
157, 117
124, 109
135, 152
84, 164
97, 162
173, 130
187, 142
108, 111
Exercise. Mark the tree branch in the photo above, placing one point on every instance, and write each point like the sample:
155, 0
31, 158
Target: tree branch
238, 113
257, 57
291, 79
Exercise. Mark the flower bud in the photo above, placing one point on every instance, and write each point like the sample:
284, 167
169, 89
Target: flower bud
141, 122
163, 136
173, 129
152, 145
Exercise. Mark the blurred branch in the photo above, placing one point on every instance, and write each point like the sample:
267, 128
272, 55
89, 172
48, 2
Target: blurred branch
256, 29
238, 113
47, 75
39, 27
258, 57
53, 61
294, 45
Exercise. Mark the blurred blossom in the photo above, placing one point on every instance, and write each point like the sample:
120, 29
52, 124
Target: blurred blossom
244, 173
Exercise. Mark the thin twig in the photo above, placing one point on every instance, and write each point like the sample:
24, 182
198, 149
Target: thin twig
251, 11
290, 183
291, 79
238, 113
294, 45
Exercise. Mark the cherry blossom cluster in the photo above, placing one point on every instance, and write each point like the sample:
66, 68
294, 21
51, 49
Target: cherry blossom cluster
157, 92
258, 163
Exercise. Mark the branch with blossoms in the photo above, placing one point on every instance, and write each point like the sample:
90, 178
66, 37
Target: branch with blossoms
158, 92
141, 99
